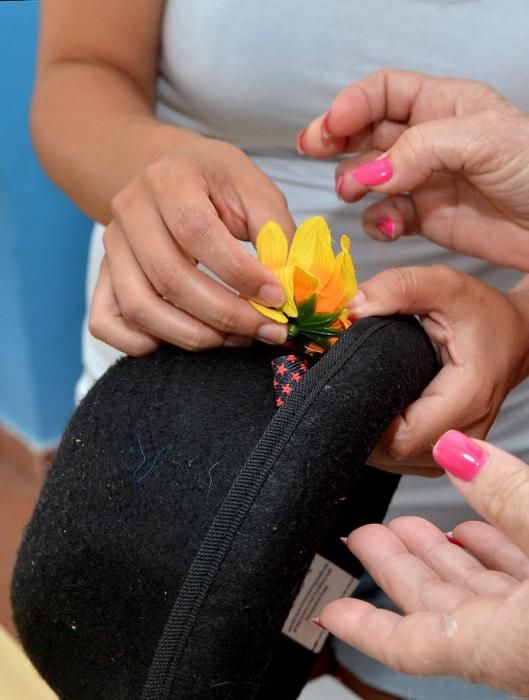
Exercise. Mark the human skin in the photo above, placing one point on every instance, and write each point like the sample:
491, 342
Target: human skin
483, 340
464, 602
96, 135
455, 169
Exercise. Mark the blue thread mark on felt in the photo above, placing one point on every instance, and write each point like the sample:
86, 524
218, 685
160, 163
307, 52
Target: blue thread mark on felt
148, 464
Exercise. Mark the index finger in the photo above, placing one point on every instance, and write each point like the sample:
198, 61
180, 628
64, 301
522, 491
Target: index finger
374, 111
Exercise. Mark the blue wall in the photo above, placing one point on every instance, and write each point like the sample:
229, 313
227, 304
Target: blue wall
43, 247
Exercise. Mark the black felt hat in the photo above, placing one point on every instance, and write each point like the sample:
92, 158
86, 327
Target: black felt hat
166, 555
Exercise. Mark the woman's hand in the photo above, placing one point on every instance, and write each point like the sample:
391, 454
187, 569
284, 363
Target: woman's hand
465, 610
483, 337
455, 163
170, 196
189, 208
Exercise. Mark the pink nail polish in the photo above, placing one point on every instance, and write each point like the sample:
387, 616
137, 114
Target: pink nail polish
338, 186
299, 142
317, 622
376, 172
325, 133
459, 455
387, 226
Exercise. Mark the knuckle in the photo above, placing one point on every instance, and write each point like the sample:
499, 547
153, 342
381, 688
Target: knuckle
399, 450
193, 225
157, 174
197, 340
492, 120
97, 325
240, 270
167, 281
400, 282
507, 499
137, 347
133, 310
229, 319
412, 145
449, 279
121, 203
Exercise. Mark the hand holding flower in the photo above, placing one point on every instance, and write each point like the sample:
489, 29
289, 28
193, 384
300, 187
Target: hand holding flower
317, 284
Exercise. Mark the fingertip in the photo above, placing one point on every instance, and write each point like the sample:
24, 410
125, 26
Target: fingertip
299, 142
357, 301
315, 140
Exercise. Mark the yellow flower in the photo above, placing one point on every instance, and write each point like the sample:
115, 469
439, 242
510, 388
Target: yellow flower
317, 283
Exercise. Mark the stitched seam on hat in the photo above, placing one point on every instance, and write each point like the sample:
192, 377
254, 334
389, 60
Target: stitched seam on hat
234, 509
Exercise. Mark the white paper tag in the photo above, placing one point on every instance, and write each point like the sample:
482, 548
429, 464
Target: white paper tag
323, 583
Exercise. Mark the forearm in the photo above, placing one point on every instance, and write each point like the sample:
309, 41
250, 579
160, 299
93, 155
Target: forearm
94, 130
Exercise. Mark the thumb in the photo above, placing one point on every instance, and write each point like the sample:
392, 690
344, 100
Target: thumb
422, 150
495, 483
409, 290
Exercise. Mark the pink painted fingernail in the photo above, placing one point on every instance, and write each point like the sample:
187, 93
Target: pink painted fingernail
343, 540
376, 172
317, 622
299, 142
453, 540
338, 186
387, 226
459, 455
325, 133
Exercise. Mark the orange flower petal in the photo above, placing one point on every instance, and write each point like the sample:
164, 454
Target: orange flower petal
341, 286
305, 284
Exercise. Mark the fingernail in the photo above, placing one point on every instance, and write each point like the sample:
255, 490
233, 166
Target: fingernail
343, 540
272, 333
376, 172
299, 142
453, 540
459, 455
271, 295
338, 186
387, 226
357, 300
237, 341
317, 622
325, 133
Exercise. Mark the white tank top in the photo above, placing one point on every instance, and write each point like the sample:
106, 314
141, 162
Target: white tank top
255, 73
